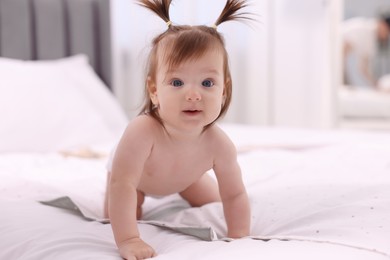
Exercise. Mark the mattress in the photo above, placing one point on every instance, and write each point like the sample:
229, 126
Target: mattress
314, 194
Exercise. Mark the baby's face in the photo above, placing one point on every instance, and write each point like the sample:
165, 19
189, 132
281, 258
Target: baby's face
190, 96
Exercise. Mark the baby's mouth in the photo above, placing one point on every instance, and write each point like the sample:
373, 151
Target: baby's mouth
192, 111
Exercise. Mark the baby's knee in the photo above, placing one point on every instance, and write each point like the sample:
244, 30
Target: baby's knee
106, 195
140, 202
140, 198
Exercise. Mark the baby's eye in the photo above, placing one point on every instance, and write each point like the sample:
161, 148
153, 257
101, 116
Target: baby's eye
177, 83
207, 83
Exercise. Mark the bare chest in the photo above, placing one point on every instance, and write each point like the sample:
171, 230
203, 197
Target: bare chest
170, 169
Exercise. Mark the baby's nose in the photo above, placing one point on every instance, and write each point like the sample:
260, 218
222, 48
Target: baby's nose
193, 95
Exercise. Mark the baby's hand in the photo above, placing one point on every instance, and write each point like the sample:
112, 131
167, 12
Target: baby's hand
135, 249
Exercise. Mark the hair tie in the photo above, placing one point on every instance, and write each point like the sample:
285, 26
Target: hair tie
214, 26
169, 23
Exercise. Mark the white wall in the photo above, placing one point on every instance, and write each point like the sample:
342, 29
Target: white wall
281, 65
304, 67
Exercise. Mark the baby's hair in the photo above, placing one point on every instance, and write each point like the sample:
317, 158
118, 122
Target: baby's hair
386, 19
230, 12
183, 42
161, 8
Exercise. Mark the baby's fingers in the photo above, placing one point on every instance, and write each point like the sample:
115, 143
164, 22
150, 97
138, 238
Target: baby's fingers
136, 249
145, 253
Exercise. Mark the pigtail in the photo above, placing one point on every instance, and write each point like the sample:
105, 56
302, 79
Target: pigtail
230, 12
159, 7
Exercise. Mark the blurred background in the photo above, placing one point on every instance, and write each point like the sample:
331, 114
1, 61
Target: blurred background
287, 67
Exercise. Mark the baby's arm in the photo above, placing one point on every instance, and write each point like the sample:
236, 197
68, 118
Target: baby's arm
128, 163
235, 204
123, 208
233, 194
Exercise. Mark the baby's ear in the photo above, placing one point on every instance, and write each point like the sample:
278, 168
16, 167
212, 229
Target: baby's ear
228, 82
152, 90
227, 86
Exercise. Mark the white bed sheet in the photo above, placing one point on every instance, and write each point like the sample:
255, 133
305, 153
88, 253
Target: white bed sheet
314, 195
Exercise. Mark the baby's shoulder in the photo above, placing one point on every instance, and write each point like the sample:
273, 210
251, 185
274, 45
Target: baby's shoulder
220, 143
217, 136
143, 125
144, 120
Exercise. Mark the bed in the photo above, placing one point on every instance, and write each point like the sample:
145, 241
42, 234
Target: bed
364, 108
314, 194
364, 103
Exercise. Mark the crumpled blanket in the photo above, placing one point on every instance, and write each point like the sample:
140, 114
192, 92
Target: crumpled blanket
355, 217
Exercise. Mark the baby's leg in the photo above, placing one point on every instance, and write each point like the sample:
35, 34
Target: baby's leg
106, 195
202, 192
140, 199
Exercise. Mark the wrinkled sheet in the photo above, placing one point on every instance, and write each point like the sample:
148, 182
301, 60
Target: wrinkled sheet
314, 195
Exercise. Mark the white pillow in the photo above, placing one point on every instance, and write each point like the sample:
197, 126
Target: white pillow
53, 105
384, 82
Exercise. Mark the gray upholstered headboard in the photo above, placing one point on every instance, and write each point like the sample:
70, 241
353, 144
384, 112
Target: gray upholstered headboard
51, 29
